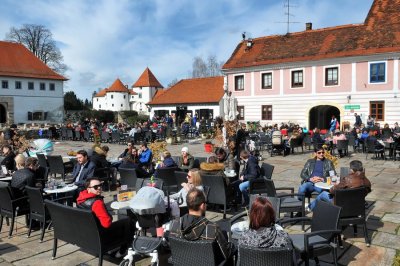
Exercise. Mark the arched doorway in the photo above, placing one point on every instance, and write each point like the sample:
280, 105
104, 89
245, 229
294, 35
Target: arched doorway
3, 114
321, 115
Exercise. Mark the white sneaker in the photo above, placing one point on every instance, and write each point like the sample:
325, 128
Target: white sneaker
119, 255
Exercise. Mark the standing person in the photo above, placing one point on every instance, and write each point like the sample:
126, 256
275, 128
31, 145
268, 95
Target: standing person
332, 124
315, 170
355, 179
241, 135
250, 171
9, 156
358, 120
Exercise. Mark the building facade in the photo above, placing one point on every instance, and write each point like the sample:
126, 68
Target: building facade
119, 98
306, 77
200, 96
30, 91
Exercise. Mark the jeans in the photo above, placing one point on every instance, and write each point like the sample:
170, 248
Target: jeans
241, 189
323, 196
307, 188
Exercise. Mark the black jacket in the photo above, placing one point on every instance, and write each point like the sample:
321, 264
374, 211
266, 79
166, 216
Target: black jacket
8, 161
20, 179
251, 169
309, 168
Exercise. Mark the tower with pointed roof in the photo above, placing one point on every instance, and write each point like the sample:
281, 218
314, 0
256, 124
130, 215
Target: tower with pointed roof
145, 88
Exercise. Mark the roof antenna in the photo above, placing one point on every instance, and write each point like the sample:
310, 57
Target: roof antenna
244, 35
287, 6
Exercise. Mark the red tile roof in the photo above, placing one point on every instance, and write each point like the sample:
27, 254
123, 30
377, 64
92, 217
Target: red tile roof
132, 92
17, 61
118, 86
147, 79
101, 93
192, 91
380, 33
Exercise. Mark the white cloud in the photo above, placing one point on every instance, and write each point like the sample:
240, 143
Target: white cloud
103, 40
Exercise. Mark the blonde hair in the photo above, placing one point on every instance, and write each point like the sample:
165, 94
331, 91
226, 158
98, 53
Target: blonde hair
19, 161
196, 177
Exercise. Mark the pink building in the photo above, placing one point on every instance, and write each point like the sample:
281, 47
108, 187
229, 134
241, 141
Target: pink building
306, 77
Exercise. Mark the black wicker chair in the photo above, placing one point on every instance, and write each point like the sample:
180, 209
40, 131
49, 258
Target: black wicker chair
371, 147
352, 202
91, 237
167, 175
38, 210
199, 253
343, 145
42, 159
57, 166
265, 256
218, 190
322, 238
128, 177
11, 207
180, 177
267, 170
198, 161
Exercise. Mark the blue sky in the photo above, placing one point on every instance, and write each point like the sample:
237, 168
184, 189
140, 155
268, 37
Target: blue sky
102, 40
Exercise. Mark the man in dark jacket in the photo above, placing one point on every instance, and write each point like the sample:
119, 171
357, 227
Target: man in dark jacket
355, 179
83, 169
250, 171
315, 170
195, 226
24, 177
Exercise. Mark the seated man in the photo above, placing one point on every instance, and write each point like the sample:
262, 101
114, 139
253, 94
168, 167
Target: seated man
83, 169
195, 226
24, 176
355, 179
91, 199
250, 171
145, 155
315, 170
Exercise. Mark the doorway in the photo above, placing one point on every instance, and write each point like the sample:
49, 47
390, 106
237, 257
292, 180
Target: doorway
3, 114
321, 115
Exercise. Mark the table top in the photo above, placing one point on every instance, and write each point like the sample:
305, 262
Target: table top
7, 178
230, 174
116, 205
65, 189
323, 185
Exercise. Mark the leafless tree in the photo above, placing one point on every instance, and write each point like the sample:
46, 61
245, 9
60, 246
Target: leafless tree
209, 68
173, 82
39, 40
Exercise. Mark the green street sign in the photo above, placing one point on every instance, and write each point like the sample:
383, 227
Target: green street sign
352, 107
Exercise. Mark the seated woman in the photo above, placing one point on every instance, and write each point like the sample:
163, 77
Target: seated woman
132, 161
194, 180
167, 161
263, 233
187, 160
9, 156
386, 132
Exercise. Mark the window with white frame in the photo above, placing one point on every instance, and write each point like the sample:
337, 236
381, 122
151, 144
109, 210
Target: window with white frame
331, 76
31, 86
52, 87
297, 78
239, 83
4, 84
240, 110
18, 85
377, 72
266, 80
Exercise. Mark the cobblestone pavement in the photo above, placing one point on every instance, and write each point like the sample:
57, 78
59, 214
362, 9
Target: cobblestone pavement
383, 215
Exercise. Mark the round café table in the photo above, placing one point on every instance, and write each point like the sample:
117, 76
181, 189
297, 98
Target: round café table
6, 179
65, 189
323, 185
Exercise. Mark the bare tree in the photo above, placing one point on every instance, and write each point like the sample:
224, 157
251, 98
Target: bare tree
209, 68
39, 40
173, 82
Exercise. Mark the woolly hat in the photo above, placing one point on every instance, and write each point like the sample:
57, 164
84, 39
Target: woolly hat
185, 149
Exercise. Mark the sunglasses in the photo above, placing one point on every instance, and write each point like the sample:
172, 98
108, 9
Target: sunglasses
320, 152
96, 187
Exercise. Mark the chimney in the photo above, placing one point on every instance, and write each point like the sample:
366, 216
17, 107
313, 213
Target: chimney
308, 26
